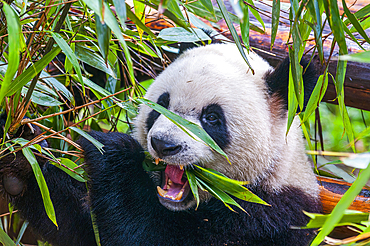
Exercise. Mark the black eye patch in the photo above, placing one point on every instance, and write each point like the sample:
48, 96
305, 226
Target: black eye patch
214, 123
164, 101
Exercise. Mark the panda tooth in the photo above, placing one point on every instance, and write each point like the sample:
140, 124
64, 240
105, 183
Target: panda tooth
161, 192
157, 160
179, 195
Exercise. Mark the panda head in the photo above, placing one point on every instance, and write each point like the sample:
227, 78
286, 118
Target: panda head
245, 115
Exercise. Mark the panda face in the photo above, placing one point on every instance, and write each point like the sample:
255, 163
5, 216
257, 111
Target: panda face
213, 87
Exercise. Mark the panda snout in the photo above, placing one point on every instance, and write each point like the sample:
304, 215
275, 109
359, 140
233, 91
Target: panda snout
164, 148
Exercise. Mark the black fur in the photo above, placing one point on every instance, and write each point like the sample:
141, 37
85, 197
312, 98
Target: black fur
128, 212
125, 203
67, 195
213, 121
277, 81
164, 101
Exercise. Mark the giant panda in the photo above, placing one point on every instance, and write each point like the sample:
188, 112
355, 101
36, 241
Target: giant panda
245, 114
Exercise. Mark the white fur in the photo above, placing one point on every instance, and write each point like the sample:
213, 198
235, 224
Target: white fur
258, 146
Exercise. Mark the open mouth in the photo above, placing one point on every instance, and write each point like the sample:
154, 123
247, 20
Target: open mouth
175, 187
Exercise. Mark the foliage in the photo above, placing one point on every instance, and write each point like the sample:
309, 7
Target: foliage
66, 98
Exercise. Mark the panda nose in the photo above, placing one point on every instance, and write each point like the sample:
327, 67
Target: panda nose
164, 148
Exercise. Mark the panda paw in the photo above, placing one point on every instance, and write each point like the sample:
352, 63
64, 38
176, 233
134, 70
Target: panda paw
15, 169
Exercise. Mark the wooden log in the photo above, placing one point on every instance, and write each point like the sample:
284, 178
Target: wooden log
332, 190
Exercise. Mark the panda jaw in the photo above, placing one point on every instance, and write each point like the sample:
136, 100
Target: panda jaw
175, 186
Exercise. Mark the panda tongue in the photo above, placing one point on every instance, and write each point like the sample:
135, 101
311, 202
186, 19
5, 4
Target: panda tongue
174, 173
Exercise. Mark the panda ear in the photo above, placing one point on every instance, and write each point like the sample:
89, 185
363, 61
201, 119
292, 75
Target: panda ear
183, 46
277, 81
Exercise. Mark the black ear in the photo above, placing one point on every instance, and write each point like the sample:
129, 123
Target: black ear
277, 81
183, 46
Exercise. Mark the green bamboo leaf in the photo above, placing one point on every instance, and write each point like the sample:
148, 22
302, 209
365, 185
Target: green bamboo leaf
336, 25
170, 15
4, 238
70, 55
256, 14
173, 7
21, 232
193, 185
292, 101
245, 26
230, 186
349, 216
79, 173
41, 98
208, 5
180, 34
212, 174
120, 7
95, 142
185, 125
49, 208
31, 72
237, 8
274, 20
317, 95
296, 72
56, 85
220, 195
103, 33
357, 57
139, 23
226, 16
345, 28
355, 22
346, 200
93, 59
314, 9
361, 13
112, 23
14, 36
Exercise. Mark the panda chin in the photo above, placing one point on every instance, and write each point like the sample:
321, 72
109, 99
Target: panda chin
175, 193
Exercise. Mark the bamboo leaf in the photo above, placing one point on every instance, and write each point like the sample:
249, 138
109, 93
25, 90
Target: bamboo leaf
226, 16
139, 23
120, 7
180, 34
256, 14
112, 23
79, 173
275, 20
5, 239
49, 208
70, 55
31, 72
193, 185
93, 59
317, 95
220, 195
208, 5
230, 186
103, 33
14, 37
292, 101
349, 216
357, 57
245, 26
187, 126
337, 214
95, 142
355, 22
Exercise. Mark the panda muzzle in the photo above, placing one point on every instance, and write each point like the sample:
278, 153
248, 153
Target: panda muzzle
176, 186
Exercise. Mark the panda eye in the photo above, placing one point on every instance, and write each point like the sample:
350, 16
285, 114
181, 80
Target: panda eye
212, 118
